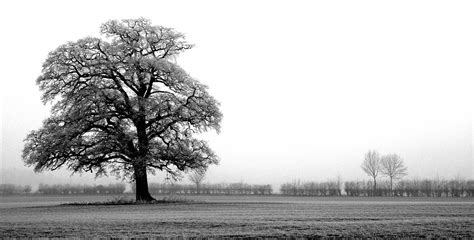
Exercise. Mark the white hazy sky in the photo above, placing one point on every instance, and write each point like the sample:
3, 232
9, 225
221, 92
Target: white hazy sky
306, 87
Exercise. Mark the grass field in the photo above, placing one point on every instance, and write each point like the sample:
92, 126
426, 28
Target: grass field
241, 216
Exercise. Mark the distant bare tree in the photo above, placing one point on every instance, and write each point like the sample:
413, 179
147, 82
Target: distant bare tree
197, 177
339, 184
371, 166
27, 189
392, 166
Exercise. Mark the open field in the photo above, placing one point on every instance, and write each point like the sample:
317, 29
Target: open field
240, 216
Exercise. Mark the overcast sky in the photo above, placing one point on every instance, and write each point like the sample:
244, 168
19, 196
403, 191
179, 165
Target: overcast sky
306, 87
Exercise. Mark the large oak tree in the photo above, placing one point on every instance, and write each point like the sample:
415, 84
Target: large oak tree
121, 105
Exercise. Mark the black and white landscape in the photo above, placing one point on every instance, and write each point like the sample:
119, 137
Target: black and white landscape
248, 119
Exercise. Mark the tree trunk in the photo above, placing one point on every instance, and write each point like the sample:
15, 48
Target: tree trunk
391, 186
375, 188
141, 185
141, 181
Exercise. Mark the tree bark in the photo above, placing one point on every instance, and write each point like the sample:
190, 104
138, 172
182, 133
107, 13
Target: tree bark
142, 194
141, 185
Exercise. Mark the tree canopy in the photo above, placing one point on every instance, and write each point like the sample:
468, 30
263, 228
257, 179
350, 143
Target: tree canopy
122, 105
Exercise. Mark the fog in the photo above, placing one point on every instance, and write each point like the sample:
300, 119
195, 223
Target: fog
306, 88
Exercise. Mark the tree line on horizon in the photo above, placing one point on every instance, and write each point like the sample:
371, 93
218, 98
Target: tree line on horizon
63, 189
403, 188
374, 165
210, 189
